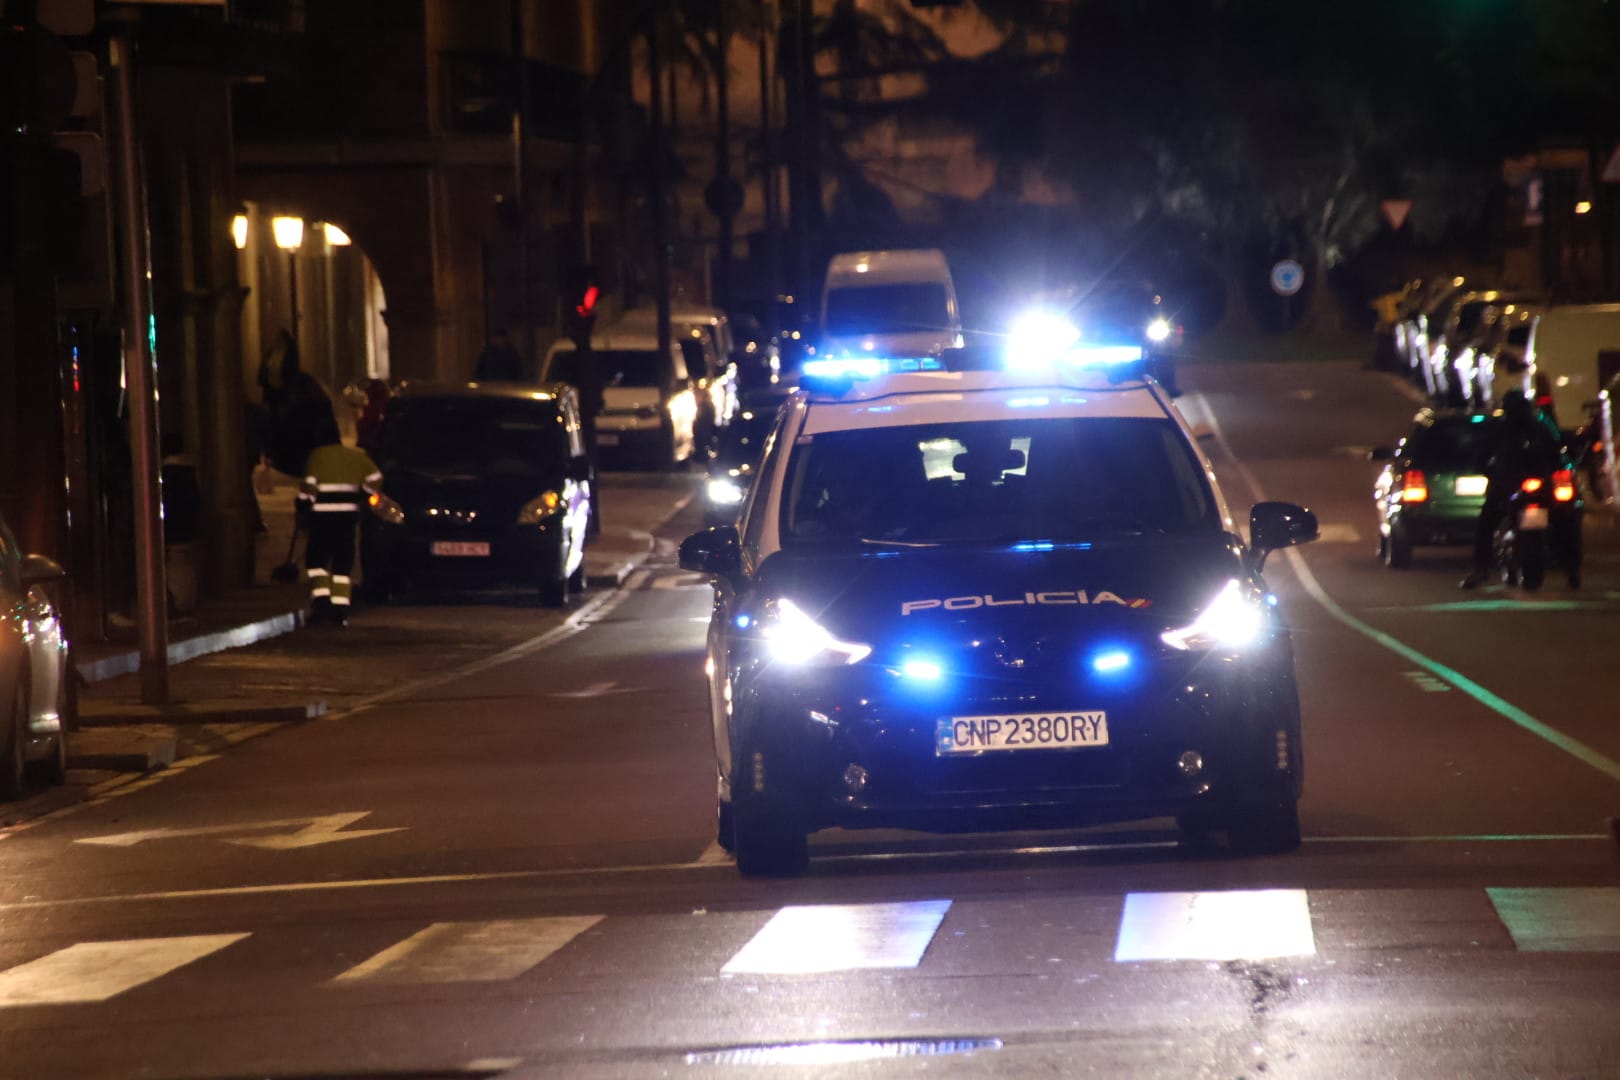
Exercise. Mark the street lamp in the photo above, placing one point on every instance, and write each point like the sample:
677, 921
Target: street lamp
335, 237
289, 234
239, 231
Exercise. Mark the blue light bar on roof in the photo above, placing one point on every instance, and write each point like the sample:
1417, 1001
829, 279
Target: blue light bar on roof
868, 367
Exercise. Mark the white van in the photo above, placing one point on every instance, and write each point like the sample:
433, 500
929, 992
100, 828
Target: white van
704, 333
1577, 349
1574, 355
889, 303
649, 407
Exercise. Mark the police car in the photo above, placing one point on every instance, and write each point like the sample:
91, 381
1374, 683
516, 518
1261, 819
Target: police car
960, 599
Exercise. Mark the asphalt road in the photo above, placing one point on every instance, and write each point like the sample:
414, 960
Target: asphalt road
509, 870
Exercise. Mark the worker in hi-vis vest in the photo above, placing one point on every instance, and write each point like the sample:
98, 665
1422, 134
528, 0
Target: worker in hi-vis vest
338, 480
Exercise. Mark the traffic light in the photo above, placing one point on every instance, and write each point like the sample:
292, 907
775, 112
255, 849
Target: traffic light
583, 292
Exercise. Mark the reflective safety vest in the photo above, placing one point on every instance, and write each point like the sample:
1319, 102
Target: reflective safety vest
337, 479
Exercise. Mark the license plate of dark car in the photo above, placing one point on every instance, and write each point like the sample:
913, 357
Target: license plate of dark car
461, 549
1021, 731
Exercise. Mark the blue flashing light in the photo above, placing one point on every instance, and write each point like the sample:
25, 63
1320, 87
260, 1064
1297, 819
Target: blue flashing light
844, 367
744, 622
1476, 419
1034, 545
868, 367
1028, 402
922, 670
1271, 598
1111, 662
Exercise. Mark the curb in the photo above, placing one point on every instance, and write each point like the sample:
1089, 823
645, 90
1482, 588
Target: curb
120, 754
129, 661
97, 716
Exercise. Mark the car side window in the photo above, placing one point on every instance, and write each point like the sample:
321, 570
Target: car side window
754, 511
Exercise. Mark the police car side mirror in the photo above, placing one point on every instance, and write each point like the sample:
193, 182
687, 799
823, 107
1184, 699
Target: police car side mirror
1274, 525
716, 551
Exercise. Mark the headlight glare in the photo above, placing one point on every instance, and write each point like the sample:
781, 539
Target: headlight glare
1232, 620
1159, 330
794, 638
724, 491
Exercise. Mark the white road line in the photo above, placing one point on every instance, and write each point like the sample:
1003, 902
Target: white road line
1560, 919
840, 937
1241, 924
1499, 705
488, 951
97, 970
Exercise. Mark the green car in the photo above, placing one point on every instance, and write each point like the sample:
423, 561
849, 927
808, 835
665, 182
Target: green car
1433, 483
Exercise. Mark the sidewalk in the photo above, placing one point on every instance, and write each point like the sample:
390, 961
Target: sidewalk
239, 669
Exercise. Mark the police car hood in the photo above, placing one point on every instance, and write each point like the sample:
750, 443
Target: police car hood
921, 595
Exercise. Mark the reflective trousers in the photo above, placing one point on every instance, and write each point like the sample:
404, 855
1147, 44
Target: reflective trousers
329, 558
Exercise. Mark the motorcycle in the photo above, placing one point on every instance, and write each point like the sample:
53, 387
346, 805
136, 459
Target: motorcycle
1542, 522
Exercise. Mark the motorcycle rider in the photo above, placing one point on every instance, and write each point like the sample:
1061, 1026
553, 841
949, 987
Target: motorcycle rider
1525, 446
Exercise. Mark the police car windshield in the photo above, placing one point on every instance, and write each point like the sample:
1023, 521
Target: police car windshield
1000, 481
900, 308
473, 436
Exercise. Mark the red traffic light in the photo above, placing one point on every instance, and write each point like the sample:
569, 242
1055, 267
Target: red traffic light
587, 303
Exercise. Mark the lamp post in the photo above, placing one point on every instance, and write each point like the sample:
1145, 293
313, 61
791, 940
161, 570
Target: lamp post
289, 234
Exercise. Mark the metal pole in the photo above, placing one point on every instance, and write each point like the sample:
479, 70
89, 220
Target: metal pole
655, 183
519, 193
767, 128
140, 373
722, 92
809, 147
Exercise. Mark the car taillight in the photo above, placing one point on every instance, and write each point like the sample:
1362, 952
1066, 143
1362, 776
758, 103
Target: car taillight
1414, 487
1531, 485
1563, 486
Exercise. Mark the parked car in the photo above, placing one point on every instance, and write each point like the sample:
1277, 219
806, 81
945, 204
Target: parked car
649, 403
34, 688
1429, 308
482, 483
706, 339
1453, 353
1432, 486
1501, 360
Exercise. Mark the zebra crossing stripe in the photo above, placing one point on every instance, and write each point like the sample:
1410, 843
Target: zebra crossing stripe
487, 951
1239, 924
1560, 919
97, 970
840, 937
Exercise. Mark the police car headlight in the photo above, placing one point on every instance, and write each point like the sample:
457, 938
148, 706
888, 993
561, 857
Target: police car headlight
1159, 330
540, 508
385, 509
1234, 619
724, 491
794, 638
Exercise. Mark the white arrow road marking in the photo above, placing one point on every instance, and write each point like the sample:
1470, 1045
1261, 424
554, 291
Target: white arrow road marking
598, 689
313, 831
97, 970
471, 951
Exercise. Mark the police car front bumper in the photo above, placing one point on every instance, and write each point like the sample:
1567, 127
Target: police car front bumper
856, 747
